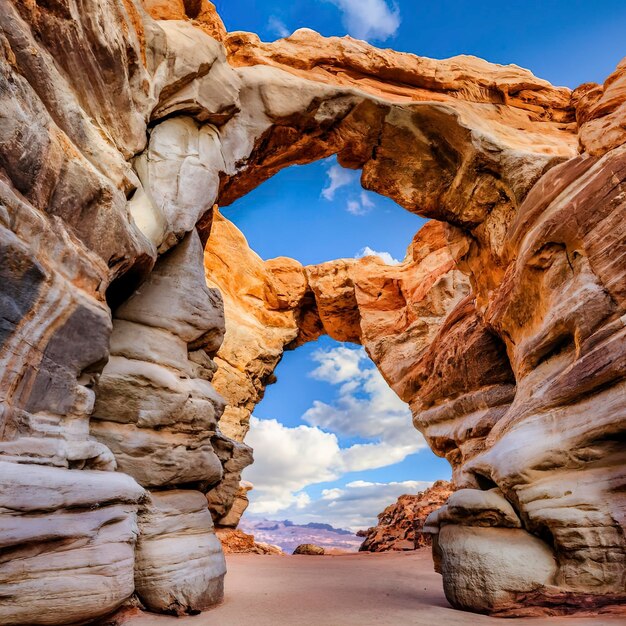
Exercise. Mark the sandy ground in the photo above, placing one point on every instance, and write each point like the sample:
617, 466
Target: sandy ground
393, 589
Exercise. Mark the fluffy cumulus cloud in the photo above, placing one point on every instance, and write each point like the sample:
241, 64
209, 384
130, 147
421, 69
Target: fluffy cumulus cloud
276, 26
288, 460
357, 200
353, 506
369, 19
339, 365
385, 256
360, 205
365, 408
338, 177
356, 505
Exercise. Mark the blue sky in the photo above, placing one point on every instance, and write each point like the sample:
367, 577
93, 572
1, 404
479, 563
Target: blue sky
312, 465
332, 442
298, 214
567, 42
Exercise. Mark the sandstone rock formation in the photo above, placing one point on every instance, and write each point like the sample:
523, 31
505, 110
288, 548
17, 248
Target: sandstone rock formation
63, 532
80, 231
237, 542
600, 112
478, 391
123, 122
238, 507
400, 526
180, 565
275, 305
261, 302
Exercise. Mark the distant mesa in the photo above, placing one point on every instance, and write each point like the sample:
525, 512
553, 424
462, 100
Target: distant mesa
289, 535
328, 527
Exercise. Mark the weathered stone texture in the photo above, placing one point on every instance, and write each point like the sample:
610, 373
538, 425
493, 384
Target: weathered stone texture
180, 566
401, 525
68, 541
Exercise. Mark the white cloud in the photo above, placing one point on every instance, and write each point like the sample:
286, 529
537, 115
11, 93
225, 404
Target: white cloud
366, 406
361, 205
288, 460
338, 177
278, 27
359, 201
338, 365
385, 256
369, 19
354, 506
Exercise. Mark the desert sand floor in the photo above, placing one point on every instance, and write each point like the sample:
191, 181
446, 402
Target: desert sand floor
397, 589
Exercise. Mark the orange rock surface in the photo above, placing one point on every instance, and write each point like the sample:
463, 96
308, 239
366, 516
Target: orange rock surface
400, 525
402, 77
202, 14
600, 112
238, 542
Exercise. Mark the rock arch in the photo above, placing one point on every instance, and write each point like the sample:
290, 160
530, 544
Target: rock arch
117, 138
277, 305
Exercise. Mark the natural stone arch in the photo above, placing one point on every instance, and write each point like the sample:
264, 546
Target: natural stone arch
479, 232
277, 305
90, 196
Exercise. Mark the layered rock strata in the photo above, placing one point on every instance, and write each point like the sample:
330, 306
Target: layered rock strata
122, 124
180, 565
468, 383
79, 232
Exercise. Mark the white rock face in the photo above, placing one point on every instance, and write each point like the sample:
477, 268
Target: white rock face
68, 543
180, 172
472, 507
180, 565
176, 299
485, 568
192, 75
158, 412
151, 411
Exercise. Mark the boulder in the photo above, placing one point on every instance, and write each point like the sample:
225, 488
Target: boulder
309, 549
491, 569
180, 565
238, 542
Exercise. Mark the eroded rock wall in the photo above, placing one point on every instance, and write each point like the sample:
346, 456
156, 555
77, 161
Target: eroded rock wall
494, 380
122, 123
80, 85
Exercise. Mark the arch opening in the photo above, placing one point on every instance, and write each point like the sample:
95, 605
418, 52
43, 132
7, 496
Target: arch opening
277, 305
317, 199
333, 446
320, 212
